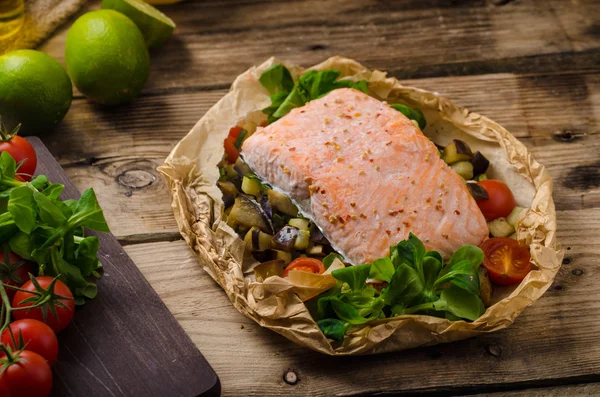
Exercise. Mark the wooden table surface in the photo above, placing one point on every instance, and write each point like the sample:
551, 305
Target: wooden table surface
531, 65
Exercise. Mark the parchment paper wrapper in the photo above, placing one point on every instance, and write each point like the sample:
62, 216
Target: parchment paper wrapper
191, 172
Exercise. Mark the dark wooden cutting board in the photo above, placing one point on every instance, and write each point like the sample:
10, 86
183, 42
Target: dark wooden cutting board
125, 342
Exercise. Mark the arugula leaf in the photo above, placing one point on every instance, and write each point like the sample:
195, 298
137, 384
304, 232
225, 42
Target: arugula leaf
21, 244
298, 97
8, 166
382, 269
53, 191
333, 329
22, 208
88, 213
354, 276
411, 113
277, 79
328, 260
49, 213
85, 255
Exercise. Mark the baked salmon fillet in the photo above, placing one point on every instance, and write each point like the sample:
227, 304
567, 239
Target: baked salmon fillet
366, 176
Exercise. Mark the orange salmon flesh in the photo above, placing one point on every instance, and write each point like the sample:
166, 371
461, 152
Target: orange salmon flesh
365, 175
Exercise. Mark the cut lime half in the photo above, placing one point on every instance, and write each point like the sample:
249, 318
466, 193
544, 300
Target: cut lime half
154, 25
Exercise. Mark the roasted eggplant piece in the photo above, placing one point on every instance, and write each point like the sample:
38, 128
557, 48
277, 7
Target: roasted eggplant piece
258, 241
230, 192
477, 191
268, 269
284, 256
316, 236
286, 238
480, 163
457, 151
241, 167
247, 213
464, 169
282, 203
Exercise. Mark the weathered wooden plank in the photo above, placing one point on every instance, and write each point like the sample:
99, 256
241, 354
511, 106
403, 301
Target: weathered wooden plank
215, 40
554, 341
580, 390
117, 150
124, 342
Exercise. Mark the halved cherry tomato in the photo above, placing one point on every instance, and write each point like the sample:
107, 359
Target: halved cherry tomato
506, 261
501, 201
232, 152
309, 265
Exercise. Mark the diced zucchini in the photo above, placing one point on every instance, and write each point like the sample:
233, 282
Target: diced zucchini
514, 215
500, 228
457, 151
258, 241
481, 177
302, 240
228, 188
300, 223
286, 257
251, 186
464, 169
282, 203
316, 249
247, 214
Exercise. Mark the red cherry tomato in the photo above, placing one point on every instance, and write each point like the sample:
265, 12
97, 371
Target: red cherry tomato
309, 265
505, 260
28, 376
232, 152
64, 315
14, 271
22, 151
501, 200
37, 337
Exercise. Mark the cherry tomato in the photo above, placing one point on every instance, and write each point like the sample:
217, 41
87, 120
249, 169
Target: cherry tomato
501, 201
37, 337
235, 131
309, 265
28, 376
22, 151
14, 271
505, 260
64, 315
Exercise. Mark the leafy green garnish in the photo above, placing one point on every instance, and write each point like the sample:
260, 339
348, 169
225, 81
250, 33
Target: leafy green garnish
411, 113
332, 328
39, 227
328, 260
417, 282
287, 95
240, 139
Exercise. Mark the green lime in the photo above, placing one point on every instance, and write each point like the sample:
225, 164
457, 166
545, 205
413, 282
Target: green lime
35, 90
154, 25
107, 57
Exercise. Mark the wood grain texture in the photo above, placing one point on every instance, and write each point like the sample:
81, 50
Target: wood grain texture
555, 341
116, 151
531, 65
217, 39
125, 342
588, 389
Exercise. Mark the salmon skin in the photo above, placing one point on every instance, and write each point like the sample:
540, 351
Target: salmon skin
366, 176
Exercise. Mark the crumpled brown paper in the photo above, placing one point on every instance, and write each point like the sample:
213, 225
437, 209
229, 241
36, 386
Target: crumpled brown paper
191, 172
